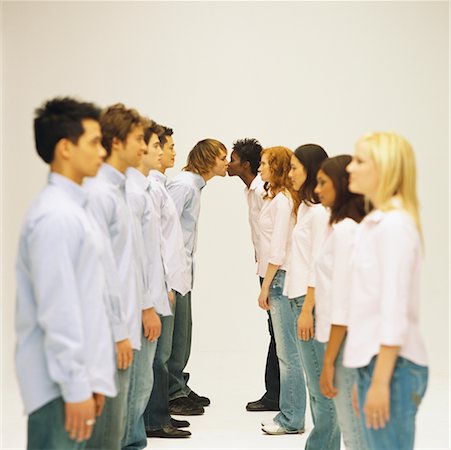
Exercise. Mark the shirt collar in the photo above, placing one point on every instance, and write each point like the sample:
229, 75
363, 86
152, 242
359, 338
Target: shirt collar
113, 175
255, 182
138, 178
72, 189
195, 178
377, 215
158, 176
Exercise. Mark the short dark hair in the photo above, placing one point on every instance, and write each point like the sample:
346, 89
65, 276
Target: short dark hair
346, 204
164, 133
249, 149
310, 156
151, 127
60, 118
117, 121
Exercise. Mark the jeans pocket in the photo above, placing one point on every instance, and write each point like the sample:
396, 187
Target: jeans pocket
419, 383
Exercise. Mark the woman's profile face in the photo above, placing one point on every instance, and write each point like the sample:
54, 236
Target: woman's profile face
325, 189
265, 171
363, 177
297, 174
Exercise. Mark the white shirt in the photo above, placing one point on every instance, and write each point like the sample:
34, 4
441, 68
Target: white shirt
275, 224
254, 196
185, 191
64, 340
385, 290
333, 278
147, 229
176, 270
308, 235
107, 203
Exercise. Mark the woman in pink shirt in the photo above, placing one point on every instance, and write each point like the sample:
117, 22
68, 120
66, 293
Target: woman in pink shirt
384, 340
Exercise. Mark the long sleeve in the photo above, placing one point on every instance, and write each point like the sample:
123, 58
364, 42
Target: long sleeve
318, 227
282, 219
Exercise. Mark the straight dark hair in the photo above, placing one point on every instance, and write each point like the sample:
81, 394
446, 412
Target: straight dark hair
346, 203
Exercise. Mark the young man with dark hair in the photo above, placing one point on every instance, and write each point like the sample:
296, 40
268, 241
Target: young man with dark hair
244, 163
64, 351
123, 140
157, 418
206, 160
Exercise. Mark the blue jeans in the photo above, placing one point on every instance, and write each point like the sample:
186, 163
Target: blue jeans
351, 429
46, 430
110, 426
325, 433
141, 383
292, 400
181, 347
157, 413
407, 387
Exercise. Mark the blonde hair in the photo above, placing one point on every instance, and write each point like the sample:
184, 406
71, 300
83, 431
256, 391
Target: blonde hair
394, 160
202, 158
279, 162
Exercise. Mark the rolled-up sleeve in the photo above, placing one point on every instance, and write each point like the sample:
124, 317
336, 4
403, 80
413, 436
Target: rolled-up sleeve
52, 260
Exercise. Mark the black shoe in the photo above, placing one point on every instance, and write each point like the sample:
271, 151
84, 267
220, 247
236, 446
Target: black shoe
179, 423
202, 401
260, 405
168, 432
183, 406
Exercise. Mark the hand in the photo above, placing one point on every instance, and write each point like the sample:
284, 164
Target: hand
263, 298
152, 324
306, 329
326, 381
100, 402
355, 400
171, 297
80, 418
377, 405
124, 352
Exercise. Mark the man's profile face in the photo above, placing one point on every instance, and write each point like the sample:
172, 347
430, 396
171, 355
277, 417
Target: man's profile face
235, 166
168, 156
220, 167
87, 154
134, 146
153, 153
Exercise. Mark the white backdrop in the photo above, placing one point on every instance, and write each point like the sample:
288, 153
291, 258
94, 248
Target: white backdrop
286, 73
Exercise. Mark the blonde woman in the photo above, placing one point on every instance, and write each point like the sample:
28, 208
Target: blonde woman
275, 225
384, 340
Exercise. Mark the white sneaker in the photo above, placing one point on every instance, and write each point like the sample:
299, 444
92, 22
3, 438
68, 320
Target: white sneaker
274, 428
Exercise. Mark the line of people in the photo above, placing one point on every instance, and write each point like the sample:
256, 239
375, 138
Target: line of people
105, 274
338, 248
104, 279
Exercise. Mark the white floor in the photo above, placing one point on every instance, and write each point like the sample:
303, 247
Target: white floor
230, 380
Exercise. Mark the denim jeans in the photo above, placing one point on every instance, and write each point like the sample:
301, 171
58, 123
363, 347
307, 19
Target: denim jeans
272, 373
157, 413
181, 347
46, 430
110, 426
350, 427
325, 433
407, 387
292, 399
141, 383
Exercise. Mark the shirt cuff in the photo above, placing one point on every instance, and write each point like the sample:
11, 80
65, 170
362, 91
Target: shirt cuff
120, 332
148, 301
76, 391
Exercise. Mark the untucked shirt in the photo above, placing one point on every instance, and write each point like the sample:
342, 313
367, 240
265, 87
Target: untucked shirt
276, 225
333, 278
308, 235
175, 263
385, 289
108, 204
254, 196
64, 340
185, 190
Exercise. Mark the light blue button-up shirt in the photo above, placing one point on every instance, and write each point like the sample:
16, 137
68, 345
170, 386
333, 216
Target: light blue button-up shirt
107, 203
148, 237
185, 190
178, 277
64, 340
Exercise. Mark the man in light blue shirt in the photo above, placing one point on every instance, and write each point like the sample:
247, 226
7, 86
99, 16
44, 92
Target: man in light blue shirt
64, 352
206, 160
123, 140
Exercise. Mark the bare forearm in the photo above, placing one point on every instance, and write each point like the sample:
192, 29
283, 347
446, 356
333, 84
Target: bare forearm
336, 338
385, 364
269, 275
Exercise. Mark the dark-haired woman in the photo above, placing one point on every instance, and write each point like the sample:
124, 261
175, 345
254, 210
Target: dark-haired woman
307, 237
333, 277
